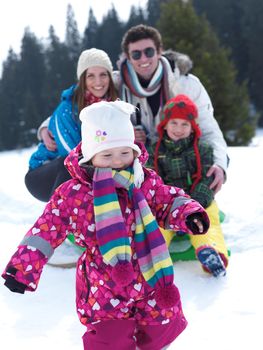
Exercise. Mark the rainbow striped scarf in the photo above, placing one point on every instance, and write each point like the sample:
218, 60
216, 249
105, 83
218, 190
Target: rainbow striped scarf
151, 250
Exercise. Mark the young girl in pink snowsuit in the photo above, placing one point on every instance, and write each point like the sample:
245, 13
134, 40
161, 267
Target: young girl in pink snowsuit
125, 293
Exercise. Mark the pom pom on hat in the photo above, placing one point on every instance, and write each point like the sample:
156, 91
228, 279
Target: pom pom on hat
106, 125
91, 58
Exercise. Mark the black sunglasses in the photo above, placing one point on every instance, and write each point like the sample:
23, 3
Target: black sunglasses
137, 54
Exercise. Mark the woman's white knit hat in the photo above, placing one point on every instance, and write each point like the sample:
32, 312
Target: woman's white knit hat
93, 57
106, 125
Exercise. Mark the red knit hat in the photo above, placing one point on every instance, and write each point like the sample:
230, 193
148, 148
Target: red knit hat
183, 108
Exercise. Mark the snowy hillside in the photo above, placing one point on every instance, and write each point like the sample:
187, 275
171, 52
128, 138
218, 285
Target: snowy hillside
223, 314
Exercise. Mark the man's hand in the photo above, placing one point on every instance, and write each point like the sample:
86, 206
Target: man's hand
219, 177
48, 139
140, 135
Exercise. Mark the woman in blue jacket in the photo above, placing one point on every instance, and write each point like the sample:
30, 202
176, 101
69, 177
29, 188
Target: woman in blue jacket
46, 165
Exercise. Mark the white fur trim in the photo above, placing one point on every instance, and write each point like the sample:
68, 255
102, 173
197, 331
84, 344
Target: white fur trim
138, 173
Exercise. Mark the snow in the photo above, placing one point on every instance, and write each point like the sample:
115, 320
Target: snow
224, 313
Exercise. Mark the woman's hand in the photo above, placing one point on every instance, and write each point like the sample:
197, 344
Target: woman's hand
48, 139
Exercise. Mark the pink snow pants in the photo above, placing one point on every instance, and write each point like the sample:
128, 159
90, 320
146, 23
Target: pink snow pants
127, 335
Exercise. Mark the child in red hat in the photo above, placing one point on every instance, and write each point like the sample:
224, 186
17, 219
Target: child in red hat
181, 159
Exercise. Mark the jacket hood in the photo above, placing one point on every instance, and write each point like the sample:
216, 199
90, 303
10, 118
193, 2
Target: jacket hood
179, 61
84, 173
68, 93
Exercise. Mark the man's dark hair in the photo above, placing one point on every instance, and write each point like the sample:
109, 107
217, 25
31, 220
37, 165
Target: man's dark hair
141, 32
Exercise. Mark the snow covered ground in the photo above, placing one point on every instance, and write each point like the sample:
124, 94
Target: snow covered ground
223, 313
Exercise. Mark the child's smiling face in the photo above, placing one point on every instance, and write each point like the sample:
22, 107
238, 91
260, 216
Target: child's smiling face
178, 129
115, 158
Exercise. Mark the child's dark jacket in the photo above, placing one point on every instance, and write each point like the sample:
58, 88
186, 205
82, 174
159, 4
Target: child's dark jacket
177, 164
71, 210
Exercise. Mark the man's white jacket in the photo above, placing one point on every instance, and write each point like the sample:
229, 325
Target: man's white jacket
191, 86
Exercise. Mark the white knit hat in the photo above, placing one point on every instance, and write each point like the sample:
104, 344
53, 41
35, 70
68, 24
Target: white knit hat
106, 125
93, 57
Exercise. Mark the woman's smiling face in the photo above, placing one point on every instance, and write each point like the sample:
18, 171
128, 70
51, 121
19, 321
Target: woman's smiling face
97, 81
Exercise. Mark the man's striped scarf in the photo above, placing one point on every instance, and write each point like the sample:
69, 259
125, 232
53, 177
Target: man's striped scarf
130, 80
151, 250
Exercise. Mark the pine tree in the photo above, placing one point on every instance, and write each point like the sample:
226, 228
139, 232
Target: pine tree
110, 34
252, 26
229, 28
31, 72
239, 27
153, 8
72, 39
90, 33
61, 72
136, 17
22, 80
9, 107
184, 31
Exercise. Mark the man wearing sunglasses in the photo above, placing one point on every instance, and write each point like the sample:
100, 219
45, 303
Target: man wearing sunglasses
147, 81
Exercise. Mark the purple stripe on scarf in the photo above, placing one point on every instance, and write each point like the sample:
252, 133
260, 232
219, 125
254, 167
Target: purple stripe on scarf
104, 173
111, 236
102, 192
154, 252
104, 232
144, 249
139, 197
108, 222
105, 185
152, 237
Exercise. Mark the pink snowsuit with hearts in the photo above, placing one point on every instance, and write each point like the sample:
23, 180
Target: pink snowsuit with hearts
98, 298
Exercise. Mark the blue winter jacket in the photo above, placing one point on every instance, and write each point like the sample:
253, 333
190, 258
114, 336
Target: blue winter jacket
65, 127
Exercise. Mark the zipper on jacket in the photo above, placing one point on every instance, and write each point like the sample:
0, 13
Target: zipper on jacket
87, 281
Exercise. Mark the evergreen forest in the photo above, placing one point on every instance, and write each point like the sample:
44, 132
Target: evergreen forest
223, 38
